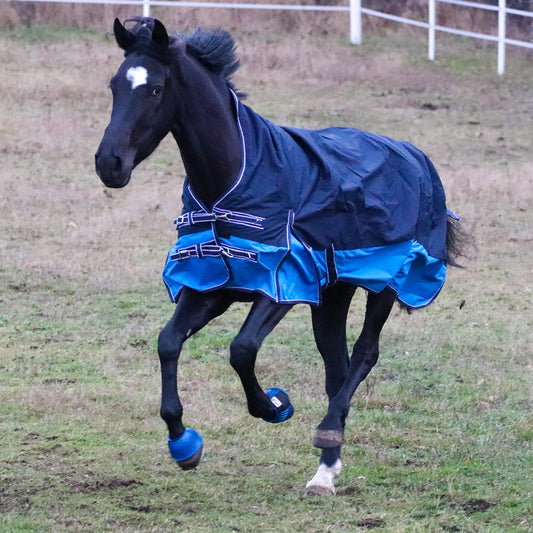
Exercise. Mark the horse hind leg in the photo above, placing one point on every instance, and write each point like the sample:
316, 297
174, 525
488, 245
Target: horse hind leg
193, 311
330, 432
329, 328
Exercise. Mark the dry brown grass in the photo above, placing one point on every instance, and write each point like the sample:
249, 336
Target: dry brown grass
56, 108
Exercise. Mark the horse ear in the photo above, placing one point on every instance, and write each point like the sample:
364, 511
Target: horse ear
159, 34
123, 36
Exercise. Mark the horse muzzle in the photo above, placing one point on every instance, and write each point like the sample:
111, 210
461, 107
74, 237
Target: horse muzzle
113, 170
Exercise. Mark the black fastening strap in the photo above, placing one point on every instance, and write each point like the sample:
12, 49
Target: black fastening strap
224, 215
212, 249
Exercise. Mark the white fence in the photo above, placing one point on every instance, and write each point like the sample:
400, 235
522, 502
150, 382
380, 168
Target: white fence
501, 37
356, 10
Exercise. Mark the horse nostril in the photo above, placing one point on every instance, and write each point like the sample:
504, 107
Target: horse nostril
117, 164
107, 164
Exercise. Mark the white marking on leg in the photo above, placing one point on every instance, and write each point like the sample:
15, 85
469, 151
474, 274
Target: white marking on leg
137, 76
323, 481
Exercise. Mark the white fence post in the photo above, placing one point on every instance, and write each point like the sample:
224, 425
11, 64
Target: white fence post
355, 21
501, 35
431, 30
146, 8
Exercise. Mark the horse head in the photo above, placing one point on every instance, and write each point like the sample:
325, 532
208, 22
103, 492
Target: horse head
143, 93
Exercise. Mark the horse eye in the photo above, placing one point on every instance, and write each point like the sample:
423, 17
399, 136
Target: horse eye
156, 91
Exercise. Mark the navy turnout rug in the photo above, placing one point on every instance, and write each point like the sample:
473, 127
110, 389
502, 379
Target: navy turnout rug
311, 207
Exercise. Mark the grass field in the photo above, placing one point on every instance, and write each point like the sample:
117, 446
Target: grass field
439, 438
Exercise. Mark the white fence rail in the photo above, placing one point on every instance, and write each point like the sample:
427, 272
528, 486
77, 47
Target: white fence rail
356, 10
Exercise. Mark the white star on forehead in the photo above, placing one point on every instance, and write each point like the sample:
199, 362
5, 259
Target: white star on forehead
137, 76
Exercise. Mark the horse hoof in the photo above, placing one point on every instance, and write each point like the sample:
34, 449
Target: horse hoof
323, 482
191, 462
328, 438
187, 449
281, 402
319, 490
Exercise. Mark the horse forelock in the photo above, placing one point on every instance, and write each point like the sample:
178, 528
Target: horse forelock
144, 43
214, 49
151, 49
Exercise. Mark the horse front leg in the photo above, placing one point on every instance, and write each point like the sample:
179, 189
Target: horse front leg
329, 328
274, 405
330, 432
193, 311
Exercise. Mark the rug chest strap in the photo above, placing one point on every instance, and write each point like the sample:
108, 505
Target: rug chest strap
223, 215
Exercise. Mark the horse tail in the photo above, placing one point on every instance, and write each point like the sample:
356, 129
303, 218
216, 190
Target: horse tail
457, 240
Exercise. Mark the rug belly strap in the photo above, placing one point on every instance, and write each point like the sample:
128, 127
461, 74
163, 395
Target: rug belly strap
212, 249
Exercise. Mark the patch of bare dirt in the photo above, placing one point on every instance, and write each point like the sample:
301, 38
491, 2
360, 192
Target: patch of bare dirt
104, 484
478, 505
371, 522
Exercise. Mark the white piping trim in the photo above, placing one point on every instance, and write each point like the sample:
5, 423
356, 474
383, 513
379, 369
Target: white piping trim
200, 204
243, 167
243, 148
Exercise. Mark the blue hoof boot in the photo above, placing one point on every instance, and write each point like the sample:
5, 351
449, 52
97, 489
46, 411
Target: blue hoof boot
186, 450
280, 400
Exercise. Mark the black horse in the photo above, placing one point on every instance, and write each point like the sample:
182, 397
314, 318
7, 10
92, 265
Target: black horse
273, 216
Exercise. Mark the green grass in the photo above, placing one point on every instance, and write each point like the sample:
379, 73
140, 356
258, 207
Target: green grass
439, 437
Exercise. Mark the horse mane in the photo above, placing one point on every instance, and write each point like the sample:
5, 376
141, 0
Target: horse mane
214, 49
